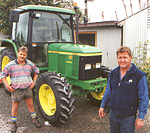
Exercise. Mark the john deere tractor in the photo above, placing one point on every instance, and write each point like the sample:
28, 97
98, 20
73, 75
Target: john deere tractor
66, 68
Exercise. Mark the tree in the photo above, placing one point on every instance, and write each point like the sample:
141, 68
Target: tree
7, 5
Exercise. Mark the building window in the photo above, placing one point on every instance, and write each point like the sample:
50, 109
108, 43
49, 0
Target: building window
88, 38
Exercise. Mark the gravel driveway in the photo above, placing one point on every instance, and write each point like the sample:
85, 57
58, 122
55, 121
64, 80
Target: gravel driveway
84, 120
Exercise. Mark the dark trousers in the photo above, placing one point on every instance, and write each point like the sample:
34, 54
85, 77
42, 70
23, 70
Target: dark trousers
121, 125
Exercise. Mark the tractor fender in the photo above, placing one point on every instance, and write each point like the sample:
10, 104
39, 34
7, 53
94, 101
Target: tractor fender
9, 43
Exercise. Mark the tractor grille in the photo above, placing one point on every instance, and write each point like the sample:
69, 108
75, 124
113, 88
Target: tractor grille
90, 73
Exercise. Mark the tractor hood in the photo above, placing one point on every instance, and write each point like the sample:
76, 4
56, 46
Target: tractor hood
73, 48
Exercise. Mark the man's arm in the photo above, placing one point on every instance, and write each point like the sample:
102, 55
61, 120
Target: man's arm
34, 81
35, 77
8, 87
104, 100
36, 73
143, 102
3, 76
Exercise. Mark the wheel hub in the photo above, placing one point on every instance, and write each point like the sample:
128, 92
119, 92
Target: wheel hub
47, 99
98, 96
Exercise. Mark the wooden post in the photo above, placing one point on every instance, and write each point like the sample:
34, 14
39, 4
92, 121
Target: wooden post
140, 4
131, 7
125, 8
102, 15
147, 3
116, 15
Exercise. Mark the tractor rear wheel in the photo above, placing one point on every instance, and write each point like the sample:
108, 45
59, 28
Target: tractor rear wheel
95, 97
54, 98
8, 54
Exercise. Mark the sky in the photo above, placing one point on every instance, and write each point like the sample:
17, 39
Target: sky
109, 7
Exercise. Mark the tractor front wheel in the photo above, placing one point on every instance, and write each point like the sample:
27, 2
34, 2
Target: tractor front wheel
54, 98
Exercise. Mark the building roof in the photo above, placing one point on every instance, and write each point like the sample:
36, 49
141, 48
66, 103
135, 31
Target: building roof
100, 24
133, 14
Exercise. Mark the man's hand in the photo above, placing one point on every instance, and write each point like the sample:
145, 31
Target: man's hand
101, 112
32, 85
139, 124
10, 89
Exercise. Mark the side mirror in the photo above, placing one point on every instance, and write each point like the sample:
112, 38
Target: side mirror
85, 21
14, 16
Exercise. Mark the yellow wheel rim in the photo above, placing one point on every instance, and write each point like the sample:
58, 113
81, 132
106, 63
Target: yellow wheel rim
98, 96
5, 61
47, 99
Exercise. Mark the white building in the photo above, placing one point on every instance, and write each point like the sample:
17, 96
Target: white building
104, 35
110, 35
136, 29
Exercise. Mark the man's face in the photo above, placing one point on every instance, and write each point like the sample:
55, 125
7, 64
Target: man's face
21, 56
124, 60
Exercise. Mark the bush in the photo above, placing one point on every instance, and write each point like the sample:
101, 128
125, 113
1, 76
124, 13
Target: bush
142, 61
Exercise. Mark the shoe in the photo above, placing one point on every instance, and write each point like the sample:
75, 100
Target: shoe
14, 127
36, 122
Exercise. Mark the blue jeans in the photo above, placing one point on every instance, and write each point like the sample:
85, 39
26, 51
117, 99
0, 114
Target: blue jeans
121, 125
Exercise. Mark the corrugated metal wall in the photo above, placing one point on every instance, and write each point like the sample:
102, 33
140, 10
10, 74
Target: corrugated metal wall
148, 18
135, 29
109, 40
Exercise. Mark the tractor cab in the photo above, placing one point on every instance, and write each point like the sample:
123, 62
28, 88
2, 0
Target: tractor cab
37, 27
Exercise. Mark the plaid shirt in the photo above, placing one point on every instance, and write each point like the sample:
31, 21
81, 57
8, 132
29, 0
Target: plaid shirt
20, 76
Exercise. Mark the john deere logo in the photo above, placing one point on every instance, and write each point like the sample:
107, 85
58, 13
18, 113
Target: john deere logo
94, 66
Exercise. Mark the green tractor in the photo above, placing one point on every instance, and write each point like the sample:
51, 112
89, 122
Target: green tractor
66, 68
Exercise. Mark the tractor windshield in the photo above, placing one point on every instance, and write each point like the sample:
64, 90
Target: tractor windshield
50, 27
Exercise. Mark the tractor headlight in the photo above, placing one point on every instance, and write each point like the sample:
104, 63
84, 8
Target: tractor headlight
87, 66
98, 65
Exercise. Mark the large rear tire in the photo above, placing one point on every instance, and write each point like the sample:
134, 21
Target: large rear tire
8, 54
54, 98
95, 97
